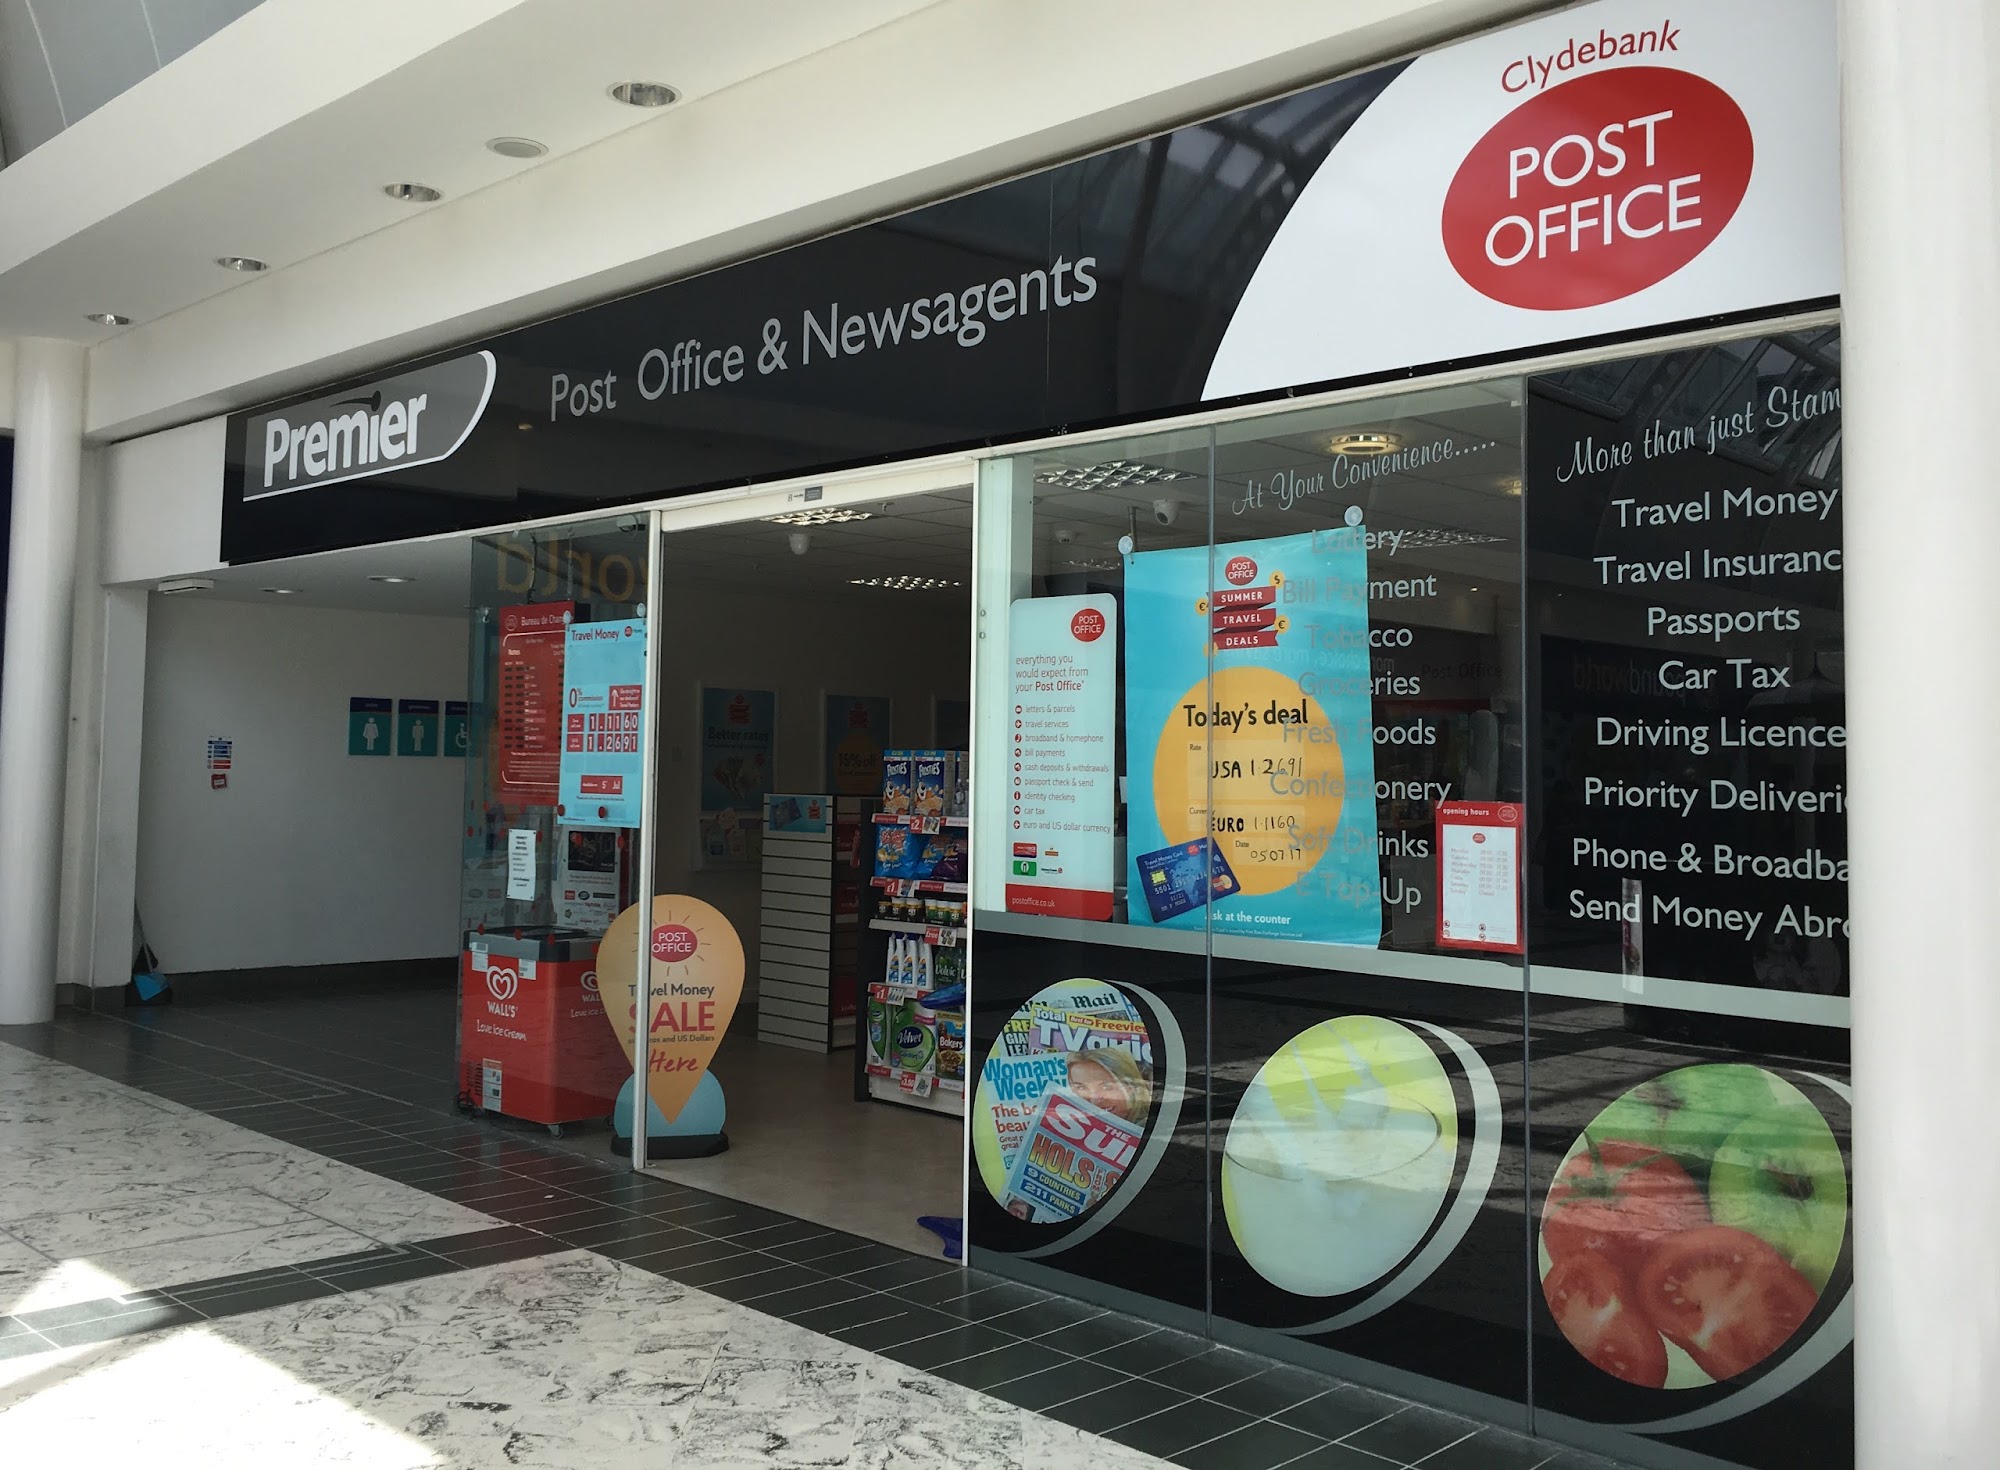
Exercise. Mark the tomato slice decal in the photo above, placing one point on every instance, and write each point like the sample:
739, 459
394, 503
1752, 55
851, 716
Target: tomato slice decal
1725, 1297
1595, 1309
1619, 1199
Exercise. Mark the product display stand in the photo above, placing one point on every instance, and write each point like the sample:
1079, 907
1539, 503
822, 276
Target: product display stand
796, 943
913, 953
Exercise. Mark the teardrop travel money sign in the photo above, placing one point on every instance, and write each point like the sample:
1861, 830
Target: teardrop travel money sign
697, 979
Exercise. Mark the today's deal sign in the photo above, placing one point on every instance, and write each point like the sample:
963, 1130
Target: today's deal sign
1605, 169
1252, 806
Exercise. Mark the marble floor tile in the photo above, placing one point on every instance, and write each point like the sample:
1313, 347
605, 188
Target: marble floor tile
152, 1213
909, 1420
792, 1413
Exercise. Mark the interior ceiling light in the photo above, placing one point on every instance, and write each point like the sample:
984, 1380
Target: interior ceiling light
645, 94
826, 515
903, 583
247, 265
1511, 484
108, 319
1365, 443
1113, 474
282, 591
1446, 536
516, 147
413, 193
1095, 563
393, 581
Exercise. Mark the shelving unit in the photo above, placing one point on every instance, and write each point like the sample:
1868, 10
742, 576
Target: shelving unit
807, 951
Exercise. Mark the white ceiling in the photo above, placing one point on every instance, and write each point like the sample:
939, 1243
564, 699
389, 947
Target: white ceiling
539, 69
274, 137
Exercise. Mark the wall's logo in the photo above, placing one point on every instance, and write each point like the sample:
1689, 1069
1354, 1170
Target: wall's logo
590, 982
414, 418
1598, 188
502, 981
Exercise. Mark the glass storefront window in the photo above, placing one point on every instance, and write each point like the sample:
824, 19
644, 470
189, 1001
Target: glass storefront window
553, 812
1418, 945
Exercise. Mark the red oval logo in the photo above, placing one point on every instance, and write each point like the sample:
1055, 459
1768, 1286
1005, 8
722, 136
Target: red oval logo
673, 943
1087, 626
1598, 188
1241, 571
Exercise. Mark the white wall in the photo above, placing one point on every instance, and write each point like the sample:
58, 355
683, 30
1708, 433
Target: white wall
310, 856
804, 650
163, 503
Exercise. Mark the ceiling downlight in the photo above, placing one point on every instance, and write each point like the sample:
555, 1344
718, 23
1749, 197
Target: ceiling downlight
108, 319
644, 94
247, 265
413, 193
517, 147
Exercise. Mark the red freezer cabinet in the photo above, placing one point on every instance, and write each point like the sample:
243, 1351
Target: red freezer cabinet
533, 1041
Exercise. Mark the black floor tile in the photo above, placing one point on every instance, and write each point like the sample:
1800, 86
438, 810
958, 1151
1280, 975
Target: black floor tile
13, 1327
1411, 1435
269, 1294
1037, 1319
881, 1336
784, 1233
1204, 1373
555, 1217
1341, 1411
1492, 1449
863, 1256
897, 1273
630, 1230
1087, 1339
677, 1258
714, 1276
961, 1341
988, 1371
1069, 1378
387, 1273
21, 1344
773, 1277
49, 1319
1188, 1423
945, 1290
822, 1292
1105, 1410
635, 1250
816, 1249
1153, 1352
1339, 1457
511, 1250
1271, 1392
1253, 1447
125, 1324
448, 1245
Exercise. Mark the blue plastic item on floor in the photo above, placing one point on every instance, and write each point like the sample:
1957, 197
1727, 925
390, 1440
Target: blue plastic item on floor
950, 1229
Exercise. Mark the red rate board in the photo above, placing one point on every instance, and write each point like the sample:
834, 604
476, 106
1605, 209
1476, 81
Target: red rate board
531, 688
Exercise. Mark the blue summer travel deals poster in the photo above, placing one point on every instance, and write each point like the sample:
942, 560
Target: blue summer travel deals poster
1274, 761
602, 777
738, 733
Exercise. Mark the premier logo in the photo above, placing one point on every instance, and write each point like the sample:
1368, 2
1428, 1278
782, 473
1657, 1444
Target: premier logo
371, 434
414, 418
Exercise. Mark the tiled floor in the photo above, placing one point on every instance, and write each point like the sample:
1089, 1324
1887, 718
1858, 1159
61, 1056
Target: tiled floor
571, 1313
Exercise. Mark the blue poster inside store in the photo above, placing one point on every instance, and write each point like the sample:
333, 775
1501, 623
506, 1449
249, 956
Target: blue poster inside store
602, 779
1252, 801
738, 733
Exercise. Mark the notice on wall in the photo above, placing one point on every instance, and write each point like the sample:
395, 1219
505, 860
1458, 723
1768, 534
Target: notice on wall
417, 727
1061, 757
857, 732
531, 692
602, 776
1479, 875
1692, 806
457, 735
738, 770
369, 725
522, 843
1252, 807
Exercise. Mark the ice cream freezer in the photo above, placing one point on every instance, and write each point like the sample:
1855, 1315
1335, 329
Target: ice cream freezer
533, 1040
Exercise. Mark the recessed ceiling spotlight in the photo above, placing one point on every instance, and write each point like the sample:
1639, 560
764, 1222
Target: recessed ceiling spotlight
516, 147
1510, 484
829, 515
412, 193
644, 94
108, 319
1113, 474
393, 581
282, 591
1365, 444
247, 265
904, 583
524, 426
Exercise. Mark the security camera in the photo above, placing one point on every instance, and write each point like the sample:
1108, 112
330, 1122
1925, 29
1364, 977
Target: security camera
1065, 536
1166, 512
799, 541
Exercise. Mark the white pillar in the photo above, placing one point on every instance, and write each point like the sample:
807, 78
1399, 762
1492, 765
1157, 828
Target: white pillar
34, 680
1922, 356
